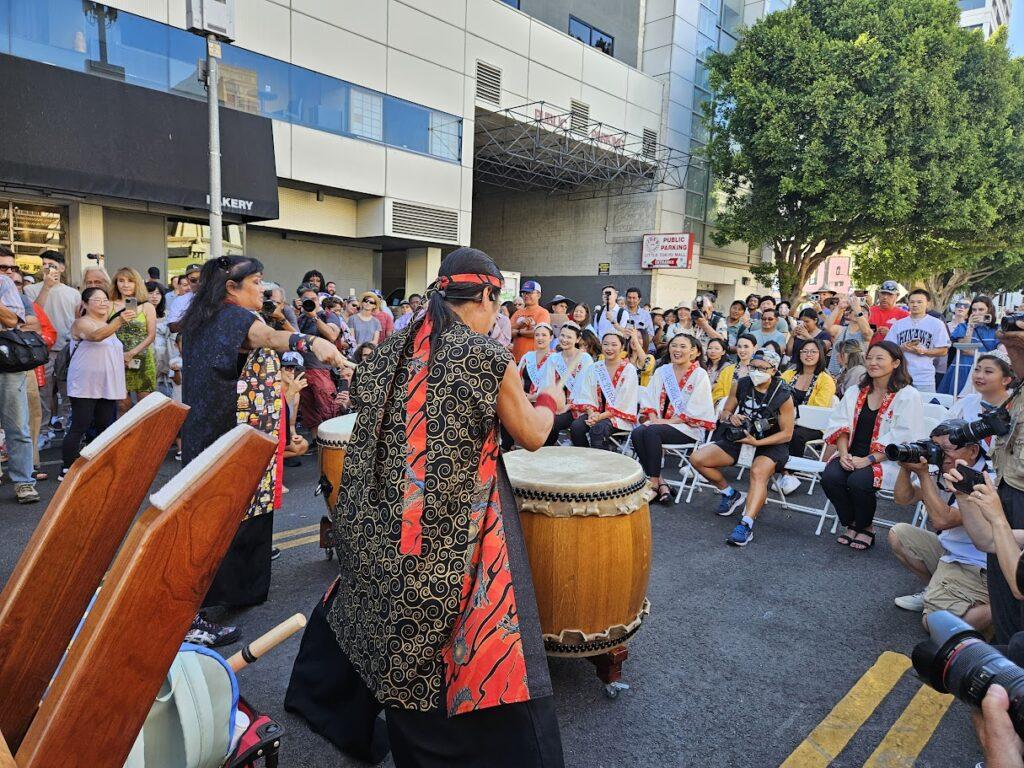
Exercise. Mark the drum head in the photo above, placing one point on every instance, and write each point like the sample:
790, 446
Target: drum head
563, 482
335, 433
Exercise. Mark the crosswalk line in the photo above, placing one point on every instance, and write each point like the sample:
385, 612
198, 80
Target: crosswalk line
296, 531
298, 542
911, 732
833, 733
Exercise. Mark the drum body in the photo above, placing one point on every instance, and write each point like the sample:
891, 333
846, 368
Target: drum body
587, 528
332, 441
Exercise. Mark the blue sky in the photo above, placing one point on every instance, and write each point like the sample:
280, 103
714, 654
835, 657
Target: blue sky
1017, 30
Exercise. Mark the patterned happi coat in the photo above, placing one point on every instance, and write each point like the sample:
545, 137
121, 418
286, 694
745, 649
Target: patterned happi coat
435, 604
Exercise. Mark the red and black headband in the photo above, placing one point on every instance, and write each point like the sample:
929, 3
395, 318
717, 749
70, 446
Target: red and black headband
444, 281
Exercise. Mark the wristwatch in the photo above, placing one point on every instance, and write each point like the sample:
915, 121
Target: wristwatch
872, 459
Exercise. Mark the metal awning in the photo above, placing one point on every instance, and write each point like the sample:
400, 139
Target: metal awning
540, 147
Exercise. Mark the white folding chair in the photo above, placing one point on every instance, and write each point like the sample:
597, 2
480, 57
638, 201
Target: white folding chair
934, 410
695, 477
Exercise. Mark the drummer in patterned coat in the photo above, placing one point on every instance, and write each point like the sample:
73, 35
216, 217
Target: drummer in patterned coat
433, 618
607, 397
676, 409
568, 363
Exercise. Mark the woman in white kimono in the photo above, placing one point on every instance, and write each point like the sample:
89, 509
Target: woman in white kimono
606, 398
675, 409
884, 409
567, 363
536, 372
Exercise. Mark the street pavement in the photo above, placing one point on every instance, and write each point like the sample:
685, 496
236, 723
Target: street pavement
789, 651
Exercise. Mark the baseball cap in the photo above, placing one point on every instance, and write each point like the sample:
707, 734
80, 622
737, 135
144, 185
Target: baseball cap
889, 286
291, 360
769, 356
530, 286
193, 268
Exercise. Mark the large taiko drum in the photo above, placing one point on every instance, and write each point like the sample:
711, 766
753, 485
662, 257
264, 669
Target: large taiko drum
332, 440
587, 528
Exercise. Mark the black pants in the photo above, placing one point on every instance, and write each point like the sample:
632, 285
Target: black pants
801, 437
1007, 611
329, 694
584, 436
562, 422
86, 412
853, 494
648, 440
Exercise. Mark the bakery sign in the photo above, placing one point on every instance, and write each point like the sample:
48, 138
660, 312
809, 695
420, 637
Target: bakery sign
669, 251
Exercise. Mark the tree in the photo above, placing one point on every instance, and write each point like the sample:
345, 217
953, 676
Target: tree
839, 123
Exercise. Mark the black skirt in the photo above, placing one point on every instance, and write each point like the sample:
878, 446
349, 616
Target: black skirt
243, 578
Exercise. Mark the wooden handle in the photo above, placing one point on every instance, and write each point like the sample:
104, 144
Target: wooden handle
266, 642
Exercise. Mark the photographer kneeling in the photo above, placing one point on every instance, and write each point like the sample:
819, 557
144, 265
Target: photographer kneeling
948, 562
760, 414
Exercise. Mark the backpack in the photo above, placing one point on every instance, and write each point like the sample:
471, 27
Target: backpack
618, 316
21, 350
192, 723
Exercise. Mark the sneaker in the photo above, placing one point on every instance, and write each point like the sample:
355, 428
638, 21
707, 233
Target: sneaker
911, 602
274, 553
26, 493
786, 484
730, 504
62, 474
741, 535
211, 635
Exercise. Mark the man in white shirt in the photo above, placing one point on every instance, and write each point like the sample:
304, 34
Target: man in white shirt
60, 302
177, 310
641, 317
610, 317
922, 338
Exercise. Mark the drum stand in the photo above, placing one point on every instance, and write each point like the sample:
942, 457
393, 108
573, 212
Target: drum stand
609, 670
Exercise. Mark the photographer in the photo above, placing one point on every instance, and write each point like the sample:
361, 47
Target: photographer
848, 322
709, 323
760, 414
610, 318
948, 561
316, 402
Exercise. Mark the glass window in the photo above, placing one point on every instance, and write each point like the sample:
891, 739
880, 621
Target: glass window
251, 82
696, 226
579, 30
697, 128
777, 5
445, 136
189, 242
591, 36
406, 125
726, 43
707, 22
604, 43
366, 114
186, 55
513, 3
971, 5
732, 16
318, 101
50, 31
697, 177
695, 205
705, 45
702, 77
29, 229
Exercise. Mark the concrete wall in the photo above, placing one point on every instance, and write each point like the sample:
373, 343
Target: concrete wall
287, 260
133, 239
618, 18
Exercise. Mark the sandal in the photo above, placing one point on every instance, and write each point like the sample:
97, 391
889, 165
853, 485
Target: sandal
844, 539
664, 496
861, 546
39, 475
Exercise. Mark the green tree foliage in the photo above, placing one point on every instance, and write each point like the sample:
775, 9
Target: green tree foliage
840, 123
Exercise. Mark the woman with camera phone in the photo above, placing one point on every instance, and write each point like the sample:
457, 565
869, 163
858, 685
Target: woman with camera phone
884, 409
568, 363
675, 409
746, 346
137, 336
758, 421
607, 397
980, 328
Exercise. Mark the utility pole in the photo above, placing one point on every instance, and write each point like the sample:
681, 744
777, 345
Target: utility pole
213, 103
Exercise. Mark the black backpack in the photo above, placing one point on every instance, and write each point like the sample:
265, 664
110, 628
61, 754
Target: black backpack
21, 350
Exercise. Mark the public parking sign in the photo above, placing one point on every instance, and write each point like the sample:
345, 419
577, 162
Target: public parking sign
669, 251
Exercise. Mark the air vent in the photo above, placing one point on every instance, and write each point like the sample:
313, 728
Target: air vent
579, 116
488, 83
649, 148
424, 222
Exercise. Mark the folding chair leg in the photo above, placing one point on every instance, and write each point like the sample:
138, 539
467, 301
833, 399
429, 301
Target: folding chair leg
824, 516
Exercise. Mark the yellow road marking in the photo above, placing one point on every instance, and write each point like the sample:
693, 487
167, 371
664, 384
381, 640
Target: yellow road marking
833, 733
298, 542
296, 532
909, 735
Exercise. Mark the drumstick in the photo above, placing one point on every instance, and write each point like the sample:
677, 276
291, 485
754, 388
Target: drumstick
267, 642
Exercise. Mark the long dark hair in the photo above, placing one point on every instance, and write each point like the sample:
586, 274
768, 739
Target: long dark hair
591, 344
900, 377
822, 361
152, 285
722, 361
440, 300
318, 273
213, 288
991, 310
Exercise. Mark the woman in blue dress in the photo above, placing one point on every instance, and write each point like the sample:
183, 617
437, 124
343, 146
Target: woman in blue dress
980, 328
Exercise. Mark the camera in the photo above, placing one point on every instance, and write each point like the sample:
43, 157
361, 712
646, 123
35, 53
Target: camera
696, 315
308, 305
268, 304
758, 428
956, 659
912, 453
1009, 322
993, 423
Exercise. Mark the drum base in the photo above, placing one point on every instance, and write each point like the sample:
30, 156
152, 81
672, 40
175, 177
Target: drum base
609, 670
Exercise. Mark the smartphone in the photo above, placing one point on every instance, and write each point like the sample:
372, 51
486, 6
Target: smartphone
971, 477
131, 302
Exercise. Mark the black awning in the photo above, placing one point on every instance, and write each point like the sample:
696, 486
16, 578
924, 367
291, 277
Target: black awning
72, 132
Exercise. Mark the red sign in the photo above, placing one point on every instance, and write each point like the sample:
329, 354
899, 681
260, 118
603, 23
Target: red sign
669, 251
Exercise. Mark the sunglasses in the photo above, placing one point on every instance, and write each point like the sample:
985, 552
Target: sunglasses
7, 267
194, 280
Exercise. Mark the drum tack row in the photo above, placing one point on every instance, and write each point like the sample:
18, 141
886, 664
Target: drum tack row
589, 543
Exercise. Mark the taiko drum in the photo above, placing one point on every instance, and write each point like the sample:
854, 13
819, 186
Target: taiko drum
587, 528
332, 441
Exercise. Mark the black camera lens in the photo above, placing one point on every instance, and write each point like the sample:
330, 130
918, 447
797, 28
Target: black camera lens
268, 294
308, 305
912, 453
696, 314
995, 423
268, 307
1009, 322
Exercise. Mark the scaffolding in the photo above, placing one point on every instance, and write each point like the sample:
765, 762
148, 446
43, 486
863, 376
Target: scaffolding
538, 147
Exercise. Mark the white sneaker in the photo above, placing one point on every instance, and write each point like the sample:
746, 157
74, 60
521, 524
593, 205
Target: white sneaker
786, 484
911, 602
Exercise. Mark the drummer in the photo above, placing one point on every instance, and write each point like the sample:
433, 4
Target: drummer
568, 363
676, 408
607, 397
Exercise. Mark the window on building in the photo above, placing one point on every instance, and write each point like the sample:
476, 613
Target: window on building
513, 3
707, 21
732, 16
367, 114
839, 270
29, 229
590, 35
705, 46
188, 242
971, 5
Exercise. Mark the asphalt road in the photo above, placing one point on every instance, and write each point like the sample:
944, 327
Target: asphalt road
745, 653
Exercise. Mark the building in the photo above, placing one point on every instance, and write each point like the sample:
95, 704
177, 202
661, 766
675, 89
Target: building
350, 136
833, 274
986, 15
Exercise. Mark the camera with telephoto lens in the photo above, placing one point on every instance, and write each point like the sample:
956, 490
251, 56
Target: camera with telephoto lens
757, 428
912, 453
957, 660
1009, 322
268, 303
994, 423
696, 315
308, 305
